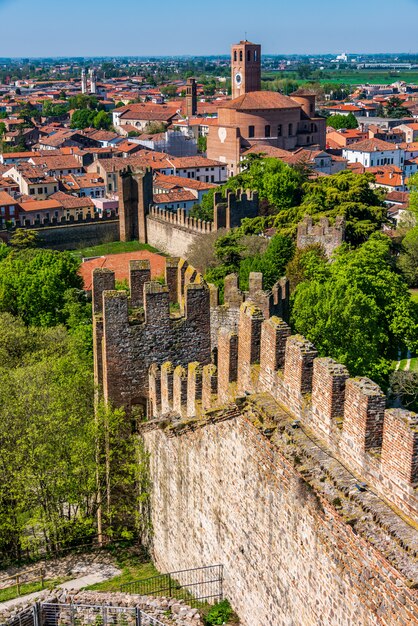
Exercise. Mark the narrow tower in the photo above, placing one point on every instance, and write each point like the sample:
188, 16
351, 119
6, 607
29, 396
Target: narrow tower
83, 81
93, 81
191, 97
245, 68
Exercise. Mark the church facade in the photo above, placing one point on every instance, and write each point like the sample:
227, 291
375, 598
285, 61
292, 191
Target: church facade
261, 117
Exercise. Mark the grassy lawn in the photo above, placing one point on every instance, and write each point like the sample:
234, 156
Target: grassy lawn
114, 247
30, 587
414, 295
133, 568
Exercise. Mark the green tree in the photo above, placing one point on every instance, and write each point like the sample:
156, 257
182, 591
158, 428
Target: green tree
102, 120
408, 259
169, 90
271, 264
83, 118
33, 284
277, 183
394, 108
306, 264
23, 238
338, 121
358, 310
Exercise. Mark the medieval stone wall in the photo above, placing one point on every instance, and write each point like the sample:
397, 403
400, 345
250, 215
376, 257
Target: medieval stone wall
330, 237
224, 493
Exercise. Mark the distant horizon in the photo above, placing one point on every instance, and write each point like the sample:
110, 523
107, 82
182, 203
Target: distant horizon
101, 28
204, 56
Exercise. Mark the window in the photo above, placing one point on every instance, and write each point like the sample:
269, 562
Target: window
55, 188
235, 55
290, 130
240, 55
45, 189
31, 191
255, 55
11, 210
212, 179
39, 189
267, 130
248, 55
3, 210
279, 130
251, 131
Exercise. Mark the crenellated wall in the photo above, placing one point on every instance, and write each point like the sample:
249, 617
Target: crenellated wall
330, 237
270, 460
347, 414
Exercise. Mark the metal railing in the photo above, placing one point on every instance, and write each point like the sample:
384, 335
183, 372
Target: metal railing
95, 615
194, 586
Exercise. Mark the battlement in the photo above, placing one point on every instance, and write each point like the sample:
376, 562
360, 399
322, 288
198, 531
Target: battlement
132, 332
179, 219
330, 237
274, 302
228, 212
65, 220
347, 415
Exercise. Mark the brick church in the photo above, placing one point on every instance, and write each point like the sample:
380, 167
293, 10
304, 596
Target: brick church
256, 117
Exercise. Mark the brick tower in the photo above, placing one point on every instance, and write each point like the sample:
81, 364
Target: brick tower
245, 68
191, 97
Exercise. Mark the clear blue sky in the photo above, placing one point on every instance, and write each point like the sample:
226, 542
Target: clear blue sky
154, 27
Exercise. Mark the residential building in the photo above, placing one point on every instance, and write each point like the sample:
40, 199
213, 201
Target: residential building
9, 209
371, 152
86, 185
33, 180
410, 132
140, 115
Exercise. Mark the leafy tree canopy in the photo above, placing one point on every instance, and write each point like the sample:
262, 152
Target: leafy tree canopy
358, 310
33, 284
338, 121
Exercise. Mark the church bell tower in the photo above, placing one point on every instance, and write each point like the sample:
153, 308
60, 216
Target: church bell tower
245, 68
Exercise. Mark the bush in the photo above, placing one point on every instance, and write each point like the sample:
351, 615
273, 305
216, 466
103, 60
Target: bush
220, 613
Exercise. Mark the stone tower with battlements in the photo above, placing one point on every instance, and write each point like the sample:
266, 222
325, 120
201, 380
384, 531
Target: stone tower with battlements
135, 198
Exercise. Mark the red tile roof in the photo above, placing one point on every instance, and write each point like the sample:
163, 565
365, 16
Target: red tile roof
260, 100
119, 263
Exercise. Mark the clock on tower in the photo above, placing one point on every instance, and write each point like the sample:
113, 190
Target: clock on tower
245, 68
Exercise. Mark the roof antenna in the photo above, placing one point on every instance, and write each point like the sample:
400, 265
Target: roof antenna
245, 35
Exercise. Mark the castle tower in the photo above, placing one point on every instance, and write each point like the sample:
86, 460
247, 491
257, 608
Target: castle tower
83, 81
191, 97
135, 198
93, 81
245, 68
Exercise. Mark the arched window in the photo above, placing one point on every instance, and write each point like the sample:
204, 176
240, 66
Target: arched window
235, 55
240, 55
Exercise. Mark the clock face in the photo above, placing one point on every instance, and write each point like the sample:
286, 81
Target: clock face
238, 78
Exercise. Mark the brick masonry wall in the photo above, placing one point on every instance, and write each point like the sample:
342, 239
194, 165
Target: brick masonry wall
223, 493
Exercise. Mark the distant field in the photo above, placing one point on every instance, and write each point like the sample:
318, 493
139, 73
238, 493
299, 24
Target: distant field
351, 78
414, 295
114, 247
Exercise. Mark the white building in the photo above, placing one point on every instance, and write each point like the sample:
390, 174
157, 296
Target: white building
374, 152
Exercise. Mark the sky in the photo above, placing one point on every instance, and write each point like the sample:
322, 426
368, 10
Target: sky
176, 27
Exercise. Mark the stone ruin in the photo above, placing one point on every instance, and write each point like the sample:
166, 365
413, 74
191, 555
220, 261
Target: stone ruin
330, 237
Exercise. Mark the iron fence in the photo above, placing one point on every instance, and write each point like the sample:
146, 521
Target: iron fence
194, 586
94, 615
